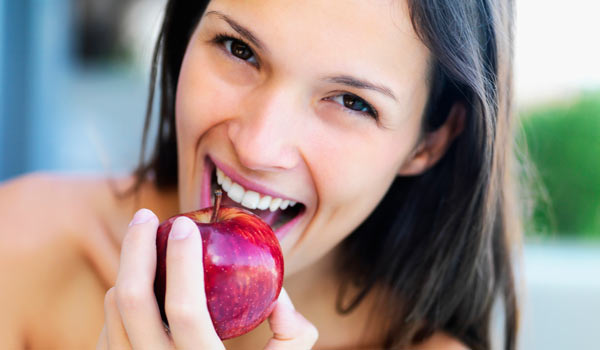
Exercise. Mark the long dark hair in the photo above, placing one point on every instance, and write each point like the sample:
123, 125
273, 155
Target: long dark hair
441, 243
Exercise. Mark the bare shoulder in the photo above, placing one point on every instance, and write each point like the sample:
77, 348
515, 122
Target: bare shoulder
39, 208
48, 221
44, 213
42, 200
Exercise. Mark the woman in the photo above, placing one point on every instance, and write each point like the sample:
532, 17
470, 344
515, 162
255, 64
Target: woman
386, 123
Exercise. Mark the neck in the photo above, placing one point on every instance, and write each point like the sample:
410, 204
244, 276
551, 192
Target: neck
314, 292
318, 278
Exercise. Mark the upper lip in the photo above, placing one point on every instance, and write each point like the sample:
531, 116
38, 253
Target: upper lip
247, 184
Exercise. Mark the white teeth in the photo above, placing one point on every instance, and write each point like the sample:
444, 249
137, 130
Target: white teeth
275, 203
264, 203
236, 193
284, 204
250, 199
220, 176
226, 184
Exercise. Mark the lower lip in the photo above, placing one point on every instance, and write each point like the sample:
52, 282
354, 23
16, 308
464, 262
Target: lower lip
209, 168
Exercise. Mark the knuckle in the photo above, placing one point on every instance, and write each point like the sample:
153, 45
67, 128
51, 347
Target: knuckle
130, 296
181, 313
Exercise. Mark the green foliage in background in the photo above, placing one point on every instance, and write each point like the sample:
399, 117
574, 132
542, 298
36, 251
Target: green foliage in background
563, 141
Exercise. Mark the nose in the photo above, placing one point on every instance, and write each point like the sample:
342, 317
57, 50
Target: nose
265, 131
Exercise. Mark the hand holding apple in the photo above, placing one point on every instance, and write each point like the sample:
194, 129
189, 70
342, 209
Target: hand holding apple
131, 315
243, 267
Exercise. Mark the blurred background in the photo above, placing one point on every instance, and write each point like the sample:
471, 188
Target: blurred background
74, 76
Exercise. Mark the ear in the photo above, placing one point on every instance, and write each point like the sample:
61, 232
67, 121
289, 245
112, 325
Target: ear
434, 144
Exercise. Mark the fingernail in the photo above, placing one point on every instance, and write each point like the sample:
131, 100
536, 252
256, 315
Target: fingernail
141, 216
182, 227
284, 298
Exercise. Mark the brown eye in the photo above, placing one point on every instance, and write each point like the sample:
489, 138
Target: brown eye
236, 48
241, 50
355, 104
352, 103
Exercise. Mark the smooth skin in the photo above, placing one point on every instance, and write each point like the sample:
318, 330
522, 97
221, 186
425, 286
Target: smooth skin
276, 117
55, 270
66, 240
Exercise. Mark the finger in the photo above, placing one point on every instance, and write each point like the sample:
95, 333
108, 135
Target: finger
185, 298
116, 336
102, 340
290, 329
134, 289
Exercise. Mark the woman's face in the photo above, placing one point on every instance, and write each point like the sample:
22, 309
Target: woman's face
317, 102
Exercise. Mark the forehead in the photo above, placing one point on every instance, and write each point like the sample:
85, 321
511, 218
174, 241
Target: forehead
371, 38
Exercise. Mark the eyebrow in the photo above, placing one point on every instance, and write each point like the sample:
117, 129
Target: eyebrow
240, 29
338, 79
360, 84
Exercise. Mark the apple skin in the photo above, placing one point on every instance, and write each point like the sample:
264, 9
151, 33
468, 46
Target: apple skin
243, 268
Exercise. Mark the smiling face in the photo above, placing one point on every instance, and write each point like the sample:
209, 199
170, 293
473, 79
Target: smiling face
315, 102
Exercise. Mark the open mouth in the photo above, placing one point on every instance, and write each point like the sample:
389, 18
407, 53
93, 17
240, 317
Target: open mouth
279, 213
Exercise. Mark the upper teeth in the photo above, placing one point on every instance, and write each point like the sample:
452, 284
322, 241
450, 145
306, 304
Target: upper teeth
250, 199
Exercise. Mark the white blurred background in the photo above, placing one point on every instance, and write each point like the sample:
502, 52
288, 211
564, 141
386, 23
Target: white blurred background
557, 48
74, 79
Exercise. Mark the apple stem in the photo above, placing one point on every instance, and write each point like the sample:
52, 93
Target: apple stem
218, 195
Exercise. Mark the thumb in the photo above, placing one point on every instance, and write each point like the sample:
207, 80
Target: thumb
290, 329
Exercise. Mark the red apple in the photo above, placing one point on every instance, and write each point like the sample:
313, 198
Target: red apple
243, 267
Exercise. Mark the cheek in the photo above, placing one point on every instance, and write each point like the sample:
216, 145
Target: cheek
358, 168
203, 98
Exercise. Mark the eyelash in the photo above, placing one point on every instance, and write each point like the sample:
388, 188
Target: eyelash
221, 39
370, 112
